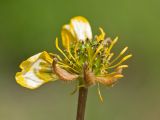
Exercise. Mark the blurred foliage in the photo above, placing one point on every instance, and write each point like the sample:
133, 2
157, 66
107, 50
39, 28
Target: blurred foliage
28, 27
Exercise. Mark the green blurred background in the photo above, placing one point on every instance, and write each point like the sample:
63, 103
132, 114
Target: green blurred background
31, 26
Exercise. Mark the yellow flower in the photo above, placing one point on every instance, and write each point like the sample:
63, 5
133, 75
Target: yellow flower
88, 60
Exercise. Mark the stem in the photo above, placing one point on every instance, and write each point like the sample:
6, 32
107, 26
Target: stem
82, 98
82, 103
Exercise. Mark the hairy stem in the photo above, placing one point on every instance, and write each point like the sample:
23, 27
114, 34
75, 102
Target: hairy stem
82, 98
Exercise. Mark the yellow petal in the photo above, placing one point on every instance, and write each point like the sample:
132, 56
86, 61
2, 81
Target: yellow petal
78, 30
67, 36
36, 71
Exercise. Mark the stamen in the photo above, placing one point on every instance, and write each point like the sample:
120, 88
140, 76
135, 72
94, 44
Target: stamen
112, 44
88, 48
118, 76
75, 50
97, 51
57, 46
123, 59
122, 66
110, 56
67, 66
99, 93
101, 36
55, 55
68, 50
121, 53
124, 50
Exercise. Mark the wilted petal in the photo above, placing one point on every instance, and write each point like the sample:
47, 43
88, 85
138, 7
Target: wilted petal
108, 80
36, 71
62, 73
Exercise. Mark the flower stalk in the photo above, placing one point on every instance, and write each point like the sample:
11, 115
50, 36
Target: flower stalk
82, 99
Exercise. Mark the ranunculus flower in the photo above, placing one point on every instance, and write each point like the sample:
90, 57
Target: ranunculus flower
83, 55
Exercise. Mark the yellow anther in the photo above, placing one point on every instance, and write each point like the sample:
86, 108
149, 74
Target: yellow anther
118, 76
121, 53
101, 36
124, 50
110, 56
115, 40
126, 57
123, 59
122, 66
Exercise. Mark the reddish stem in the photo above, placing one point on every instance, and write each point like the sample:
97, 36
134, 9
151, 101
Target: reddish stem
82, 103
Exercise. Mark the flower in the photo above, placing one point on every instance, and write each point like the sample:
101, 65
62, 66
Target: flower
85, 58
